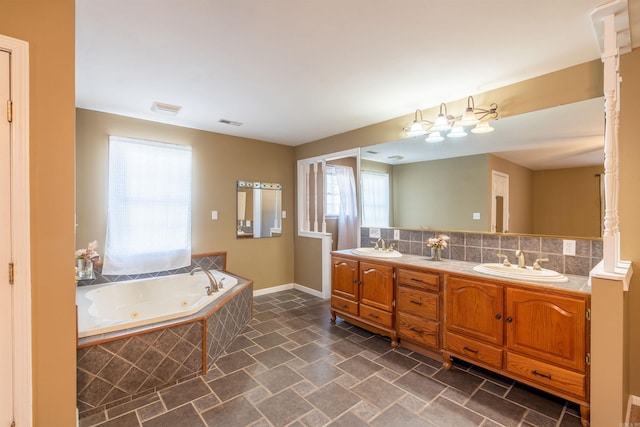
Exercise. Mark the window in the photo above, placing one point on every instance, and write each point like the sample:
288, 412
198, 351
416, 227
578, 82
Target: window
375, 199
333, 193
149, 211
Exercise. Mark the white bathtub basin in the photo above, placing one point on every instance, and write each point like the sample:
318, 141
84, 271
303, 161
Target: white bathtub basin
514, 272
377, 253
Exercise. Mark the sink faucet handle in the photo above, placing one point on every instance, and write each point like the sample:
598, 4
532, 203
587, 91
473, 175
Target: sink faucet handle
536, 264
506, 262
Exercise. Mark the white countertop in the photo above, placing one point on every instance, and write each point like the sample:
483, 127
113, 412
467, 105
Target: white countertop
575, 283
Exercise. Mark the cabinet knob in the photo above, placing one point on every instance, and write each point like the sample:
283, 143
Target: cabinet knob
498, 316
509, 319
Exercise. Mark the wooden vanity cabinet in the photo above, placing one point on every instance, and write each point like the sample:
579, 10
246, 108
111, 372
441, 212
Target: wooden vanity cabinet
362, 294
418, 310
534, 335
473, 320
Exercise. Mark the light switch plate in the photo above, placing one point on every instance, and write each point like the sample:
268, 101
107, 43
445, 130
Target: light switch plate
374, 232
214, 215
284, 214
396, 234
569, 247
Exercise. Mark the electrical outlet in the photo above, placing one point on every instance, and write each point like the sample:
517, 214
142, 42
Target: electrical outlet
284, 214
374, 233
569, 247
214, 215
396, 234
476, 215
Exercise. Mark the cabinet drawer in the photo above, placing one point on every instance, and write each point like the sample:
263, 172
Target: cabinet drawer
371, 314
473, 349
419, 279
550, 376
418, 330
344, 305
417, 302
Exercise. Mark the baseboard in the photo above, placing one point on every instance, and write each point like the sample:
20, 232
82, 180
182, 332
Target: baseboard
272, 289
286, 287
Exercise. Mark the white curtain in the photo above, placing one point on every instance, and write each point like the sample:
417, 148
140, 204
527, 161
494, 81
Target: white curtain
375, 199
149, 211
348, 215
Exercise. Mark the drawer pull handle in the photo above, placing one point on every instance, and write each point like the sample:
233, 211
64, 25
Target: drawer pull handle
342, 305
374, 316
417, 280
415, 302
472, 350
540, 374
498, 316
416, 330
509, 320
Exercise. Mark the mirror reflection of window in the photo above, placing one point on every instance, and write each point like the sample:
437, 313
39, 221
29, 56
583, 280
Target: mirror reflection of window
375, 199
333, 193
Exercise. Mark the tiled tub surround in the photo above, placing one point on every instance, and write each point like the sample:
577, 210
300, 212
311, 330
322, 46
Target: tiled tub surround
117, 367
484, 247
215, 261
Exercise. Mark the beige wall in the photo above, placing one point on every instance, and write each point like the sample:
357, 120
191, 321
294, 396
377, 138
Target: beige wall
218, 162
629, 205
566, 202
49, 28
442, 194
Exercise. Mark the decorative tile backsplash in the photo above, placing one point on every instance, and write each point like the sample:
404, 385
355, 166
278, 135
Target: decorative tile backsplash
208, 262
484, 247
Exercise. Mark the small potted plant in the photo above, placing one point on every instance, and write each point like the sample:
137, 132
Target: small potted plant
85, 259
437, 244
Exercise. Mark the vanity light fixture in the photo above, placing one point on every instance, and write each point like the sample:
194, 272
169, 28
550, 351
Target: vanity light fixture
472, 116
434, 137
457, 132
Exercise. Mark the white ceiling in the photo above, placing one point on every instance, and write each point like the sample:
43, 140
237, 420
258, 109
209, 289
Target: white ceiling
298, 71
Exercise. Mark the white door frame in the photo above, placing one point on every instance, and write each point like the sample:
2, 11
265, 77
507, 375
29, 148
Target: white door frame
20, 229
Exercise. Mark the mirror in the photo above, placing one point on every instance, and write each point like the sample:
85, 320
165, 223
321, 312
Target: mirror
552, 158
259, 210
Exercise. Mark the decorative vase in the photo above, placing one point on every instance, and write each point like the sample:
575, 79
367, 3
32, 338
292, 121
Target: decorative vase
84, 269
436, 254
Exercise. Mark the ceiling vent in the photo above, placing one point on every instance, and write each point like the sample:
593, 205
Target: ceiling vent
167, 109
229, 122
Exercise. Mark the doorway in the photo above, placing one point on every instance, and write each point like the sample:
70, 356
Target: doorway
499, 202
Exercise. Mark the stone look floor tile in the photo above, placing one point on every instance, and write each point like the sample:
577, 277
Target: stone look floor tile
292, 367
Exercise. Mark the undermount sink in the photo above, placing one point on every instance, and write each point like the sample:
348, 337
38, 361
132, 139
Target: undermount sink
514, 272
377, 253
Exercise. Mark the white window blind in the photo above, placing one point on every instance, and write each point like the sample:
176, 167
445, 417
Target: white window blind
149, 211
375, 199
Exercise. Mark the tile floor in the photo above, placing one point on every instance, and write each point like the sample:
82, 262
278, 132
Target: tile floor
292, 367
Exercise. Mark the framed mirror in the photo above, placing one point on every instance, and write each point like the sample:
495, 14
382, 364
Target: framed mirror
259, 210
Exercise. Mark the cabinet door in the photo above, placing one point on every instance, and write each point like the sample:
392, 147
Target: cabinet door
546, 327
344, 278
474, 309
376, 286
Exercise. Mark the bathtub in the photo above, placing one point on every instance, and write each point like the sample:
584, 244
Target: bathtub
123, 305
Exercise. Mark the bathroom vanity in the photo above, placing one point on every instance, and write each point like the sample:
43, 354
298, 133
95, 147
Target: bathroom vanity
535, 333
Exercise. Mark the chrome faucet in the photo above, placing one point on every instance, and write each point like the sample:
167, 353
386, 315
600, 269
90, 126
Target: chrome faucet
214, 285
521, 261
380, 240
